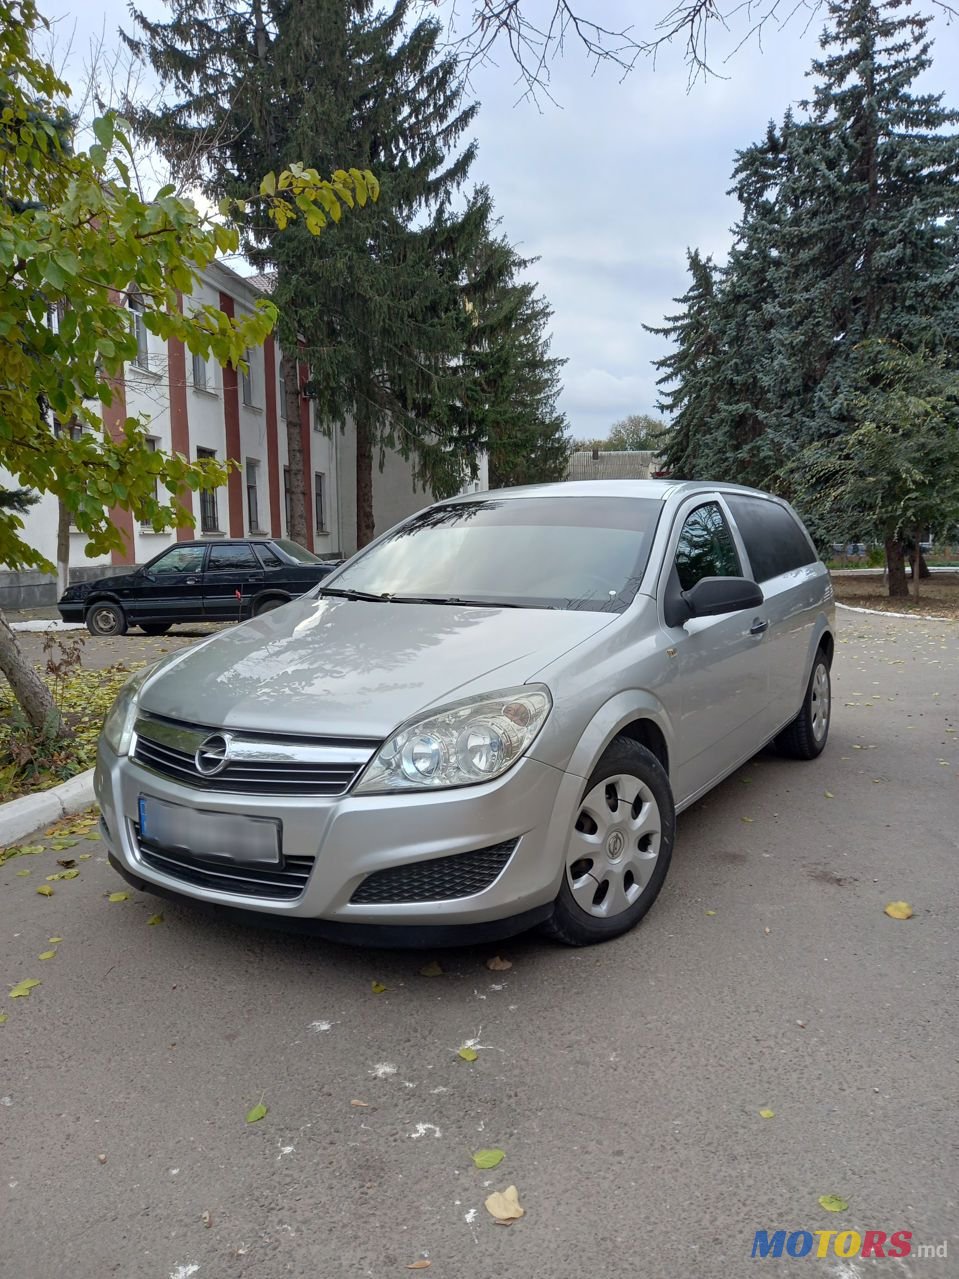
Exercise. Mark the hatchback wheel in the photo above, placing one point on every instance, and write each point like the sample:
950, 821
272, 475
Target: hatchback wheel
106, 619
806, 736
619, 849
269, 605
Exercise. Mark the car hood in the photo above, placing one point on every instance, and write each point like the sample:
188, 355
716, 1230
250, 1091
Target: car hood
355, 668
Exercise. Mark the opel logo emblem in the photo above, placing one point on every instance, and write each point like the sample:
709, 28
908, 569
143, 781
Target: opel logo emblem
616, 843
213, 754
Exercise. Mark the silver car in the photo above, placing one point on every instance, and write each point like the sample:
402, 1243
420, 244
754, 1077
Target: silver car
486, 720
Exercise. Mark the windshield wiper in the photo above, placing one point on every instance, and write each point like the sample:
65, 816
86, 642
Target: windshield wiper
451, 599
354, 595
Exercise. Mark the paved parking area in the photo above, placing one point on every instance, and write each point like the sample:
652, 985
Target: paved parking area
624, 1082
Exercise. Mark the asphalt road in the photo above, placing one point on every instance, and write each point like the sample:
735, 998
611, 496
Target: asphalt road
624, 1082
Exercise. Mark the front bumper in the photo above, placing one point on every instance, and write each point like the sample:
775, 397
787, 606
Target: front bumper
71, 610
352, 838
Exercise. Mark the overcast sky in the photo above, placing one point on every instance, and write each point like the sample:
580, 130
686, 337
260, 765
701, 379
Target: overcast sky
609, 184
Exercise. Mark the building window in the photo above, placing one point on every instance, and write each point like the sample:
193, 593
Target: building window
252, 513
319, 501
142, 357
150, 443
287, 499
246, 379
209, 522
199, 373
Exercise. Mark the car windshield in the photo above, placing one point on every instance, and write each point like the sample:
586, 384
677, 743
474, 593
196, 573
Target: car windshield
529, 552
294, 551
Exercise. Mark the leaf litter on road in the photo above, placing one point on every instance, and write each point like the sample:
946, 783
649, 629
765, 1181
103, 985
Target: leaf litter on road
432, 969
45, 890
898, 910
504, 1206
488, 1158
498, 965
256, 1113
377, 987
47, 954
118, 897
22, 989
832, 1203
468, 1053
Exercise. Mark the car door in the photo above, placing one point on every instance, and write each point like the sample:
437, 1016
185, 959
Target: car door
717, 695
783, 561
170, 588
233, 574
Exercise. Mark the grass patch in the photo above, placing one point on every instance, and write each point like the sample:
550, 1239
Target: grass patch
938, 595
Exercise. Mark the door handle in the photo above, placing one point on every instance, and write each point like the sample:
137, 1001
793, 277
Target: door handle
192, 581
759, 626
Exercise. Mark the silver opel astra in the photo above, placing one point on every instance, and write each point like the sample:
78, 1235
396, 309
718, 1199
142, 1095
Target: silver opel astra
486, 720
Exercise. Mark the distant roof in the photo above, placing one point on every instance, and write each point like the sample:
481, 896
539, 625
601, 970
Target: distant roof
626, 464
265, 282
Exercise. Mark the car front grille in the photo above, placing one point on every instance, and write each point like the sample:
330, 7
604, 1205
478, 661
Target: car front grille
256, 764
438, 879
280, 883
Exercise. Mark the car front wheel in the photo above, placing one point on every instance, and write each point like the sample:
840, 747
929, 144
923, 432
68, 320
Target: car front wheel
806, 736
106, 619
619, 849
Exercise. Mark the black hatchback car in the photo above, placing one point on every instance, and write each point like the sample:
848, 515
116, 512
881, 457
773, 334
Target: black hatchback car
227, 581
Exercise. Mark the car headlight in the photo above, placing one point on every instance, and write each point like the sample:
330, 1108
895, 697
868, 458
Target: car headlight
117, 729
459, 745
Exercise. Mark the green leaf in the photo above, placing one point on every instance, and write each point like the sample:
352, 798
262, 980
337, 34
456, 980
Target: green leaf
468, 1054
832, 1203
47, 954
45, 890
489, 1158
103, 129
23, 988
154, 920
69, 874
3, 1018
268, 185
767, 1114
118, 897
53, 940
256, 1113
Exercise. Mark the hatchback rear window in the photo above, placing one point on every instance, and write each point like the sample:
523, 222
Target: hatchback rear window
775, 542
584, 553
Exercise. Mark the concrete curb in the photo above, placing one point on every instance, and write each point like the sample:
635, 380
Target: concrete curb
881, 612
21, 817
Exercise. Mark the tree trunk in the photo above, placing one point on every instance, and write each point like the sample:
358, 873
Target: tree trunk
916, 556
923, 566
63, 547
294, 450
28, 688
896, 569
364, 475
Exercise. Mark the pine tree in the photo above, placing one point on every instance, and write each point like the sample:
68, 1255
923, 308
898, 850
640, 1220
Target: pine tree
379, 312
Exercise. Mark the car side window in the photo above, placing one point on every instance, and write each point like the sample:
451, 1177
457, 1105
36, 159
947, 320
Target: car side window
181, 559
706, 547
270, 558
235, 558
775, 542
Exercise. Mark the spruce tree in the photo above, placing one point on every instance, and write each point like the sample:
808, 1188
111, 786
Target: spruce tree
378, 308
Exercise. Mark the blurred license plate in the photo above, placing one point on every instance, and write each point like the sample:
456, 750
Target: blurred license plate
226, 837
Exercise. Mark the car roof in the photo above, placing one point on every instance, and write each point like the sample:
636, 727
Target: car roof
658, 490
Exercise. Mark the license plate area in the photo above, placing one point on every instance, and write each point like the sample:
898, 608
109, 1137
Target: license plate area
229, 838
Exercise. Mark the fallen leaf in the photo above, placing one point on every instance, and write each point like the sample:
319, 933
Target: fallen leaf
57, 876
377, 987
66, 862
357, 1102
767, 1114
468, 1054
45, 890
47, 954
504, 1205
207, 1219
58, 845
70, 874
3, 1018
84, 857
21, 873
488, 1158
101, 1159
431, 969
497, 965
710, 912
257, 1113
26, 849
422, 1264
118, 897
829, 794
154, 920
767, 931
23, 988
832, 1203
899, 910
54, 940
746, 819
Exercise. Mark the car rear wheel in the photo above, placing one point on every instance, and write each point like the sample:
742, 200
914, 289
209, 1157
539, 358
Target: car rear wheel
268, 606
619, 849
806, 736
104, 618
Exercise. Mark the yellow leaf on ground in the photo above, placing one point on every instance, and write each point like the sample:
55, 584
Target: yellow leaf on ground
377, 987
767, 1114
118, 897
829, 794
23, 988
746, 819
897, 910
154, 920
3, 1018
710, 912
504, 1205
53, 940
497, 965
45, 890
256, 1113
47, 954
832, 1203
467, 1053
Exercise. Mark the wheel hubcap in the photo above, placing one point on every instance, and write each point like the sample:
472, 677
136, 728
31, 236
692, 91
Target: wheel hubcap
614, 846
105, 622
820, 702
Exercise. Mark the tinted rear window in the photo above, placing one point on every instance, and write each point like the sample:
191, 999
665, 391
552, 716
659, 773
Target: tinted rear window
775, 542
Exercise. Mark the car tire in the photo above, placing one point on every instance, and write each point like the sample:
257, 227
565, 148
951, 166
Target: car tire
269, 605
806, 736
155, 628
106, 619
619, 849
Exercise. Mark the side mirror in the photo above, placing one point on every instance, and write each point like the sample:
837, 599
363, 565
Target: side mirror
713, 595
